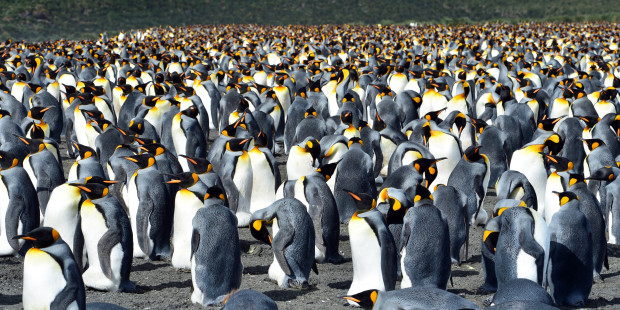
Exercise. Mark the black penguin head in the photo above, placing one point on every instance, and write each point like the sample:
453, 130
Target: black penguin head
500, 208
355, 141
312, 146
593, 143
328, 170
479, 125
150, 101
98, 180
363, 202
7, 160
36, 132
426, 133
547, 124
4, 113
34, 146
575, 178
258, 228
154, 149
185, 179
93, 190
348, 98
554, 144
491, 235
603, 174
472, 153
41, 237
422, 193
560, 163
143, 160
365, 299
243, 105
346, 117
589, 120
566, 197
84, 150
311, 112
434, 115
137, 126
231, 130
191, 111
396, 210
301, 93
236, 145
215, 192
198, 165
38, 112
427, 168
378, 124
261, 140
460, 121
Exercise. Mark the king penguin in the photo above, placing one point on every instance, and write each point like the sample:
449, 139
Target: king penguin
215, 255
293, 242
52, 279
237, 177
411, 298
471, 176
265, 174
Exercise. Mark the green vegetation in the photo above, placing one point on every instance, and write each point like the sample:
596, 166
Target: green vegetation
79, 19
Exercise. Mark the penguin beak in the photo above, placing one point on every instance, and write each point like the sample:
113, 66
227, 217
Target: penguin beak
351, 299
24, 237
131, 159
175, 181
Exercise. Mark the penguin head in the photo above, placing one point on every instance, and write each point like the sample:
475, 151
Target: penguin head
143, 160
258, 228
34, 146
592, 144
422, 195
327, 171
427, 168
426, 132
348, 98
560, 163
566, 197
191, 111
547, 124
199, 165
355, 141
472, 153
85, 151
311, 112
491, 235
137, 125
506, 204
215, 192
575, 178
603, 174
312, 146
185, 179
154, 149
301, 92
554, 143
479, 125
36, 132
365, 299
396, 208
41, 237
7, 160
460, 121
150, 101
363, 202
98, 180
231, 130
434, 115
38, 112
93, 190
346, 117
236, 145
4, 113
589, 120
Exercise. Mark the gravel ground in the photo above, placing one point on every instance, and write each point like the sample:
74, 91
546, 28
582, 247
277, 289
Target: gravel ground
159, 286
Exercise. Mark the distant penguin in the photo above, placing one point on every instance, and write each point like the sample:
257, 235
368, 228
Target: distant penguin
452, 204
421, 263
265, 174
52, 279
87, 165
303, 158
611, 207
411, 298
107, 239
488, 248
215, 255
373, 250
570, 275
19, 207
236, 174
529, 161
188, 200
293, 242
150, 209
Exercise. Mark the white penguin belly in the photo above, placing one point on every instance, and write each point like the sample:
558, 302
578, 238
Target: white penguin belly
91, 136
410, 157
366, 256
73, 171
263, 182
197, 295
243, 180
132, 201
79, 123
186, 206
299, 164
531, 165
204, 96
93, 228
275, 271
387, 148
442, 148
62, 212
552, 203
179, 140
43, 280
612, 238
5, 247
526, 267
406, 281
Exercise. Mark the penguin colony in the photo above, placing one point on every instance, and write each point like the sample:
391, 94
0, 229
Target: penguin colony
395, 132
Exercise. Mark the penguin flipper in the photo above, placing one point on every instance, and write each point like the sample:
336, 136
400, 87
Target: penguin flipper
142, 223
316, 213
13, 215
110, 239
73, 290
232, 193
282, 239
195, 242
388, 249
531, 247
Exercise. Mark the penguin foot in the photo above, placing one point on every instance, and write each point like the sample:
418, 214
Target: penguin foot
127, 287
597, 278
486, 289
298, 284
487, 302
336, 259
